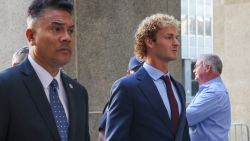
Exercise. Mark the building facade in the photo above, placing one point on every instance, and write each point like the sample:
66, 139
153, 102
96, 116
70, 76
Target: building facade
231, 43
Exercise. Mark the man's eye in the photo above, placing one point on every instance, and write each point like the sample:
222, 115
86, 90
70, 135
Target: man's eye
71, 31
56, 29
169, 37
177, 38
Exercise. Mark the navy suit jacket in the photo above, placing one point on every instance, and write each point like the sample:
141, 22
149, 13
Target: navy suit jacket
25, 113
136, 111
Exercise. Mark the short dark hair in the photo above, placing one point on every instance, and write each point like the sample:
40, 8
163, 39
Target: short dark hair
37, 6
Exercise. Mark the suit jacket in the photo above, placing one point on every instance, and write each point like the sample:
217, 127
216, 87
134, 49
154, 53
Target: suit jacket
25, 113
137, 113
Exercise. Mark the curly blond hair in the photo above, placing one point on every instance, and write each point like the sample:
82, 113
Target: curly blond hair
148, 28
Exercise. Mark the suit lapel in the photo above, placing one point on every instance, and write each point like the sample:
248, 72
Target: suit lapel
37, 93
150, 91
71, 106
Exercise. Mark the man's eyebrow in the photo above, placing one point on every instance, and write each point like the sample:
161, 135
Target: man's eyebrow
58, 23
171, 34
61, 24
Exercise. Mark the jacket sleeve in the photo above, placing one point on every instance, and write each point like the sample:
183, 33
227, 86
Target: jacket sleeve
119, 114
4, 114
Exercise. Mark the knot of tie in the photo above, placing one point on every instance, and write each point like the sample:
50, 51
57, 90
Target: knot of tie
166, 79
54, 84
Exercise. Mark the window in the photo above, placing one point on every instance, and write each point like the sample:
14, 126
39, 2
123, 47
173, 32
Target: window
196, 38
200, 24
184, 25
208, 8
208, 26
184, 7
200, 8
192, 25
196, 22
192, 7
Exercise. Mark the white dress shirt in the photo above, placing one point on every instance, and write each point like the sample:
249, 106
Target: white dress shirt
46, 79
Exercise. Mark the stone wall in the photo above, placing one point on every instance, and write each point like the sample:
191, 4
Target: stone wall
231, 43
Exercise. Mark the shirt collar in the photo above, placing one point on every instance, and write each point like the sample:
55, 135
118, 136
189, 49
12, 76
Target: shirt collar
43, 74
206, 84
154, 72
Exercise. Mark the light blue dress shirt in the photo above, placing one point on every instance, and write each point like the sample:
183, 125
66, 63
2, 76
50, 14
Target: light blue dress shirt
209, 114
156, 75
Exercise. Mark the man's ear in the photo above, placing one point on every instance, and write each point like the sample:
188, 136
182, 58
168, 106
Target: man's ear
208, 68
30, 36
148, 42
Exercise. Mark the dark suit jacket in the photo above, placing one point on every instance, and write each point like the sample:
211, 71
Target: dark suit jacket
137, 113
25, 113
102, 122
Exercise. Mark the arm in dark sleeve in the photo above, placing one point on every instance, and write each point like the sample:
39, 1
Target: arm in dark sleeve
87, 136
4, 114
119, 114
102, 124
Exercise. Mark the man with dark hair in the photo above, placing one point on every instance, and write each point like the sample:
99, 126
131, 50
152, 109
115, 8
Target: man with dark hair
149, 105
38, 102
133, 65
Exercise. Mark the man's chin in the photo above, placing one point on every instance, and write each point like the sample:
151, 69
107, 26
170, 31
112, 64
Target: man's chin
61, 63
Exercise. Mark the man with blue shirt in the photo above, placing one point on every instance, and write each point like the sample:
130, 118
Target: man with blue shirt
208, 114
149, 105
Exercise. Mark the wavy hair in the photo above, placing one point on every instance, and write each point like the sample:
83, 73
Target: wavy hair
148, 28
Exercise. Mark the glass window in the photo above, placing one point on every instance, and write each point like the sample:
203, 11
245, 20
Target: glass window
192, 7
184, 51
200, 8
184, 46
208, 26
192, 25
200, 45
194, 83
200, 24
184, 25
208, 41
192, 52
184, 7
192, 44
184, 40
208, 50
192, 40
208, 8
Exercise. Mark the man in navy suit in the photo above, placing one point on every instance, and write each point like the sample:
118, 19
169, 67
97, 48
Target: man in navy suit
38, 102
133, 65
149, 105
